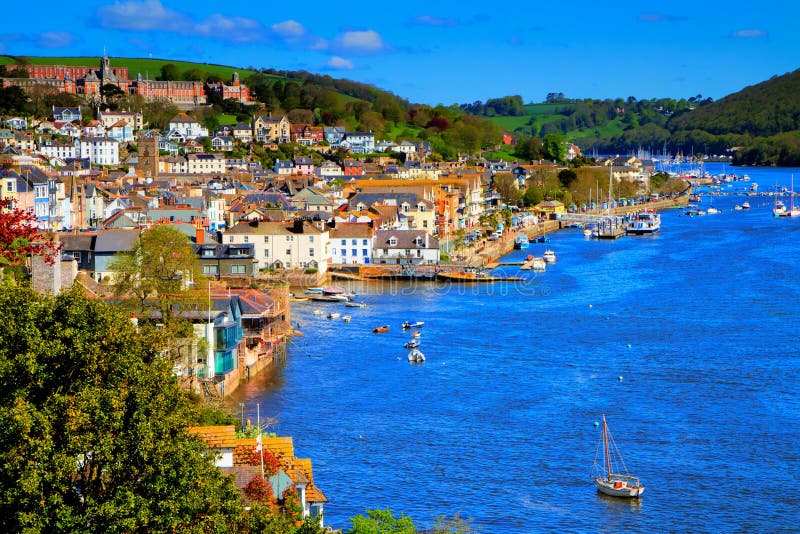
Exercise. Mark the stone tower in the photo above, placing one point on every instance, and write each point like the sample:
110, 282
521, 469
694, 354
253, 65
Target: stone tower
148, 155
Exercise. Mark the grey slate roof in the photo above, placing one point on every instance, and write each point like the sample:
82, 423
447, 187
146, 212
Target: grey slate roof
116, 240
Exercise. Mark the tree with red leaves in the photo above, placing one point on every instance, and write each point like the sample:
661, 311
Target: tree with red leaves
20, 238
259, 489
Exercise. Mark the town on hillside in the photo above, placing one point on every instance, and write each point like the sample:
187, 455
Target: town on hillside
343, 201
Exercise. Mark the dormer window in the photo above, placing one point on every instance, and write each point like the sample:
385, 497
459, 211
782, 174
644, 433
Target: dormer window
392, 241
208, 252
421, 207
419, 241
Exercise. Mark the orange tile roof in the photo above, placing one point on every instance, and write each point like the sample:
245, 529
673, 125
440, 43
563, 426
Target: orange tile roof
221, 436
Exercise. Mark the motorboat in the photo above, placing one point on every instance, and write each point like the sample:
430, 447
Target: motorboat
416, 334
380, 329
416, 356
605, 479
549, 256
334, 315
356, 304
413, 344
587, 232
542, 239
745, 205
346, 318
645, 222
539, 264
712, 210
313, 291
407, 324
317, 312
738, 207
521, 242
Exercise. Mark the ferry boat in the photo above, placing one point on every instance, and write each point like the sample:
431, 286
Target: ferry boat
645, 222
521, 242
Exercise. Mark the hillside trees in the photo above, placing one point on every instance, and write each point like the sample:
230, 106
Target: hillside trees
92, 427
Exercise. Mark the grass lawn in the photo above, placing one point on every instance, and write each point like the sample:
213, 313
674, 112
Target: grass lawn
224, 118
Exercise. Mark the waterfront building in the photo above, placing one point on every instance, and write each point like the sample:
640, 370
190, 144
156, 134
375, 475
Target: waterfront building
352, 243
283, 245
405, 247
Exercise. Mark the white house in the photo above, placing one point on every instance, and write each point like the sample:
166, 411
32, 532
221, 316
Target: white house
99, 150
415, 247
352, 243
59, 149
205, 163
283, 245
359, 142
187, 126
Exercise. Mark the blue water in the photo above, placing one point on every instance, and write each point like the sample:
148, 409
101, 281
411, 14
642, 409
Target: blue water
700, 321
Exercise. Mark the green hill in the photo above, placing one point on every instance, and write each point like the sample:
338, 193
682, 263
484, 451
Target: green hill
764, 109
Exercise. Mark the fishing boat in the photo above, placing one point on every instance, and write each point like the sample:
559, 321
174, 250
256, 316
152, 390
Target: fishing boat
611, 477
549, 256
356, 304
380, 329
779, 210
416, 356
645, 222
417, 324
521, 242
413, 344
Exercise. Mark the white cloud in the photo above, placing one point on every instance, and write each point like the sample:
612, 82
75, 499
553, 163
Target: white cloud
749, 34
54, 39
360, 42
149, 15
239, 29
142, 16
339, 63
427, 20
288, 29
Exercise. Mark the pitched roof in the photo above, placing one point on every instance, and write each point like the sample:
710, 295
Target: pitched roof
406, 239
116, 240
352, 230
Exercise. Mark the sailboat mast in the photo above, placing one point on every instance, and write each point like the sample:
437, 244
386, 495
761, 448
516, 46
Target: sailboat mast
605, 447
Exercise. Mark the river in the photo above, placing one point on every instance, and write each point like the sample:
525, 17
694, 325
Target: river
686, 340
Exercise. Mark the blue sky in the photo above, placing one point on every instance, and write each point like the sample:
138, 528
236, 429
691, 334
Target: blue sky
442, 51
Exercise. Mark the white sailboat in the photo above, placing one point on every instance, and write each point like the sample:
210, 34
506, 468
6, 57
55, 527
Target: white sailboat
607, 481
793, 212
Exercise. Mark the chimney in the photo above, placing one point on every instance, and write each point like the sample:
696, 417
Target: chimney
199, 233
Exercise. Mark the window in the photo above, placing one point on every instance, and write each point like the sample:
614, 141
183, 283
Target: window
238, 268
208, 252
393, 241
246, 239
353, 242
210, 269
266, 239
421, 207
424, 224
288, 252
344, 252
364, 252
311, 252
364, 242
355, 252
266, 252
311, 239
344, 242
77, 256
230, 239
289, 238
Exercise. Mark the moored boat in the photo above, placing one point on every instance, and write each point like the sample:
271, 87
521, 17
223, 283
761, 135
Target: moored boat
745, 205
380, 329
346, 318
416, 324
413, 344
521, 242
416, 356
549, 256
606, 480
645, 222
356, 304
334, 315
